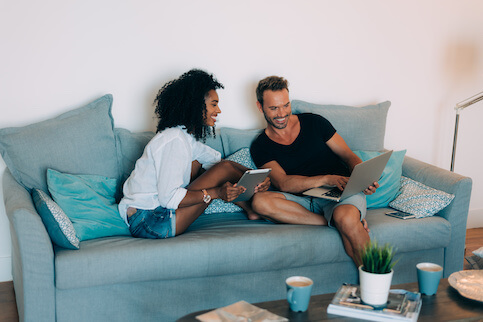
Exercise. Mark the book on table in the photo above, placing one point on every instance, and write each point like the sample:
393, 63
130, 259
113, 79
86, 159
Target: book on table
401, 305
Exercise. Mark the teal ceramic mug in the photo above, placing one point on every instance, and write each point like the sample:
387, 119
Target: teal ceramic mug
299, 289
429, 275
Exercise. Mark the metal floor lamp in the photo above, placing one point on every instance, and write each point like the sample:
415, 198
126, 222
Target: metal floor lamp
461, 105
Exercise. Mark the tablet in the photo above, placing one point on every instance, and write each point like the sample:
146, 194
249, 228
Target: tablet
249, 180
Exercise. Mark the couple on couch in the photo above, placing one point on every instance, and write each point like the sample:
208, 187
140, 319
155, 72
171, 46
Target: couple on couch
178, 176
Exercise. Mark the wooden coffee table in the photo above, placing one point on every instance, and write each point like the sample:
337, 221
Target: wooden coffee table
446, 305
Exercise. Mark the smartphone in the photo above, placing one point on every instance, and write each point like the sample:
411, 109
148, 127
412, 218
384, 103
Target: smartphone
400, 214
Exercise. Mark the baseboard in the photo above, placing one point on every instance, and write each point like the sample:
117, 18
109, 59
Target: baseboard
475, 218
5, 269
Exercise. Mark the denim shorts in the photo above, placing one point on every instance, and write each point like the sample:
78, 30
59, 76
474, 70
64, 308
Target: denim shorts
326, 207
153, 223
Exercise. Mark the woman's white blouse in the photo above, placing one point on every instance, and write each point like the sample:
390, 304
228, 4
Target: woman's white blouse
163, 172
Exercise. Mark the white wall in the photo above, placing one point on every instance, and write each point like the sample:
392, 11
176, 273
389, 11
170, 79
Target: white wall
424, 56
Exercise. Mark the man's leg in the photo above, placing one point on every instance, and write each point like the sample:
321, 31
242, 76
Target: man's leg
275, 207
348, 217
347, 220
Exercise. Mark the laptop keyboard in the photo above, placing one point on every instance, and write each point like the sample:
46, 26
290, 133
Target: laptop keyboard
334, 192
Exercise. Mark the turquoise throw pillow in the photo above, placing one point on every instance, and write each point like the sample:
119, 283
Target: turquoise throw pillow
389, 181
244, 158
58, 225
89, 202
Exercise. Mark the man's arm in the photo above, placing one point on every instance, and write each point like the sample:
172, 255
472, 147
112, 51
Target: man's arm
298, 184
339, 147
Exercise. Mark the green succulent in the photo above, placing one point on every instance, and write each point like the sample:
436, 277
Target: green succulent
377, 259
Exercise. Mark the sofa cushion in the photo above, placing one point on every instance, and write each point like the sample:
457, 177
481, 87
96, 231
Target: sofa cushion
81, 140
363, 128
418, 199
390, 180
229, 244
89, 202
58, 225
408, 235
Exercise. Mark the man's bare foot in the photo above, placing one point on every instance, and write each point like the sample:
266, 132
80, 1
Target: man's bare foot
366, 227
253, 215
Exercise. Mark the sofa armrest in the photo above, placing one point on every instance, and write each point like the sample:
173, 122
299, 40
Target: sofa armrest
457, 211
32, 255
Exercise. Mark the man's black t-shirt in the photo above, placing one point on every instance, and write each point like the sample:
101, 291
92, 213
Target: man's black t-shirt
308, 155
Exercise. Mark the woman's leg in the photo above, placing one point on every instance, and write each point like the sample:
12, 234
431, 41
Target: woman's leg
214, 177
245, 205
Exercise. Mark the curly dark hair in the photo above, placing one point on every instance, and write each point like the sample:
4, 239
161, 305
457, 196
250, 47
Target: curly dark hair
272, 83
182, 102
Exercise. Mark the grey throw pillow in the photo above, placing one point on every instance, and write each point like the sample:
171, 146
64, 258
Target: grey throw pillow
363, 128
78, 141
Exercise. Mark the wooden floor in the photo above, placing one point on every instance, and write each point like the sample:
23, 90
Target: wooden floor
8, 307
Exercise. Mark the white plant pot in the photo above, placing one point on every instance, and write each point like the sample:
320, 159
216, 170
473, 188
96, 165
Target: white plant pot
374, 287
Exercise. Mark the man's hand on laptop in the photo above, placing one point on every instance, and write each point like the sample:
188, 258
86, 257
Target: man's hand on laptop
335, 180
371, 189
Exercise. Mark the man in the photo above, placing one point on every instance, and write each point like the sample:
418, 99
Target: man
305, 151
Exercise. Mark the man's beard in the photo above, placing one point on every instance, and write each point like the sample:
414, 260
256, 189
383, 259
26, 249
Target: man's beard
277, 125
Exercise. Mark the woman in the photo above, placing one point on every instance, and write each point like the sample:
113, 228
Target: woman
177, 176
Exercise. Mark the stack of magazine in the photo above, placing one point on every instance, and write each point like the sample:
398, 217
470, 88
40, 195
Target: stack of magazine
401, 305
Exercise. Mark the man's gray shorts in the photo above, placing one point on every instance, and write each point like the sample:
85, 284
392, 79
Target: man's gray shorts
326, 206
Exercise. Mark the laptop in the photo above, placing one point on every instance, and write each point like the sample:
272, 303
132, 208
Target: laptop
363, 176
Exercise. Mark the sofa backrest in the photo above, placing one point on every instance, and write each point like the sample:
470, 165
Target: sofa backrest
84, 140
130, 147
363, 128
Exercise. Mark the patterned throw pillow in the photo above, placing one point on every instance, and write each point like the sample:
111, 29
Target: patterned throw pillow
218, 206
242, 157
420, 200
58, 225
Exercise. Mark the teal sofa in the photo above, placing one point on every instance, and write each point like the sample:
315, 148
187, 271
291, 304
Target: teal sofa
223, 257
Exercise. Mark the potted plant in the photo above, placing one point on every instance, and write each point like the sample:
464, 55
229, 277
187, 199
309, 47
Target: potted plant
375, 273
